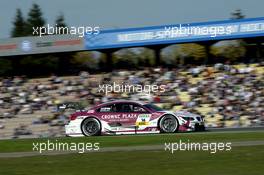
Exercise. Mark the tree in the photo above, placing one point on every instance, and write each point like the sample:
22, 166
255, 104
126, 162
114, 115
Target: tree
60, 21
231, 50
35, 19
146, 57
237, 14
192, 50
19, 25
171, 55
85, 60
126, 58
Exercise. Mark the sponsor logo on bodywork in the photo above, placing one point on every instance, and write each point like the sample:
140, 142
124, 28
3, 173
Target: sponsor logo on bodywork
143, 119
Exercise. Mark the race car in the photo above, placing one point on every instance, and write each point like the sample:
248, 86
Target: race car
130, 117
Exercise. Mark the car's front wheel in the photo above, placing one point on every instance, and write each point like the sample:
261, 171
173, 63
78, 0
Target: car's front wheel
91, 127
168, 124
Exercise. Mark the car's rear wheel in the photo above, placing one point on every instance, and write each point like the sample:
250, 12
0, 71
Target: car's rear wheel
91, 127
168, 124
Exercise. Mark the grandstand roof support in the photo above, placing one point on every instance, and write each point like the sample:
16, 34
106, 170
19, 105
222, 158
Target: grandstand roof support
258, 54
109, 58
257, 41
157, 51
207, 46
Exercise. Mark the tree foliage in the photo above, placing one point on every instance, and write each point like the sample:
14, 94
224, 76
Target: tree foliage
232, 50
35, 19
22, 27
60, 21
133, 58
192, 50
171, 55
85, 60
19, 25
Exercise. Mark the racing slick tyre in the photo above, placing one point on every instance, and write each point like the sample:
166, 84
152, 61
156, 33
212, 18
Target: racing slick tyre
91, 127
168, 124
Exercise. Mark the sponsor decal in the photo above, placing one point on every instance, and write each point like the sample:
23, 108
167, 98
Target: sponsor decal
59, 43
8, 47
44, 44
67, 42
26, 46
119, 116
143, 119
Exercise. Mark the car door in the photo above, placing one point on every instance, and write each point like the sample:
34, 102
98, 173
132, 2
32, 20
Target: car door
124, 115
135, 114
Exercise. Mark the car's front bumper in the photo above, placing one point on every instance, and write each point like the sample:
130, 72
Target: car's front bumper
192, 126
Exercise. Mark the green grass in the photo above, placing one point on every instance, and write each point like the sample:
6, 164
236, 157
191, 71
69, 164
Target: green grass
246, 160
25, 145
239, 161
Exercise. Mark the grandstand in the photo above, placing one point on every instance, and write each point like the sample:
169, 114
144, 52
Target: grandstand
226, 95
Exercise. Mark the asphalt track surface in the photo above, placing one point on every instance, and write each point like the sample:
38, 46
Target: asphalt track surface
140, 148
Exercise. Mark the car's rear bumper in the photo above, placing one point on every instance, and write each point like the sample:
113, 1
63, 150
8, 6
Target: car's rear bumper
73, 128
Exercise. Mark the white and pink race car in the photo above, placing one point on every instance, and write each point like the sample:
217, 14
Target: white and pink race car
130, 117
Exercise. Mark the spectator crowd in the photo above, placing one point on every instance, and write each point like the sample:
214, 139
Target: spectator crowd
226, 95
